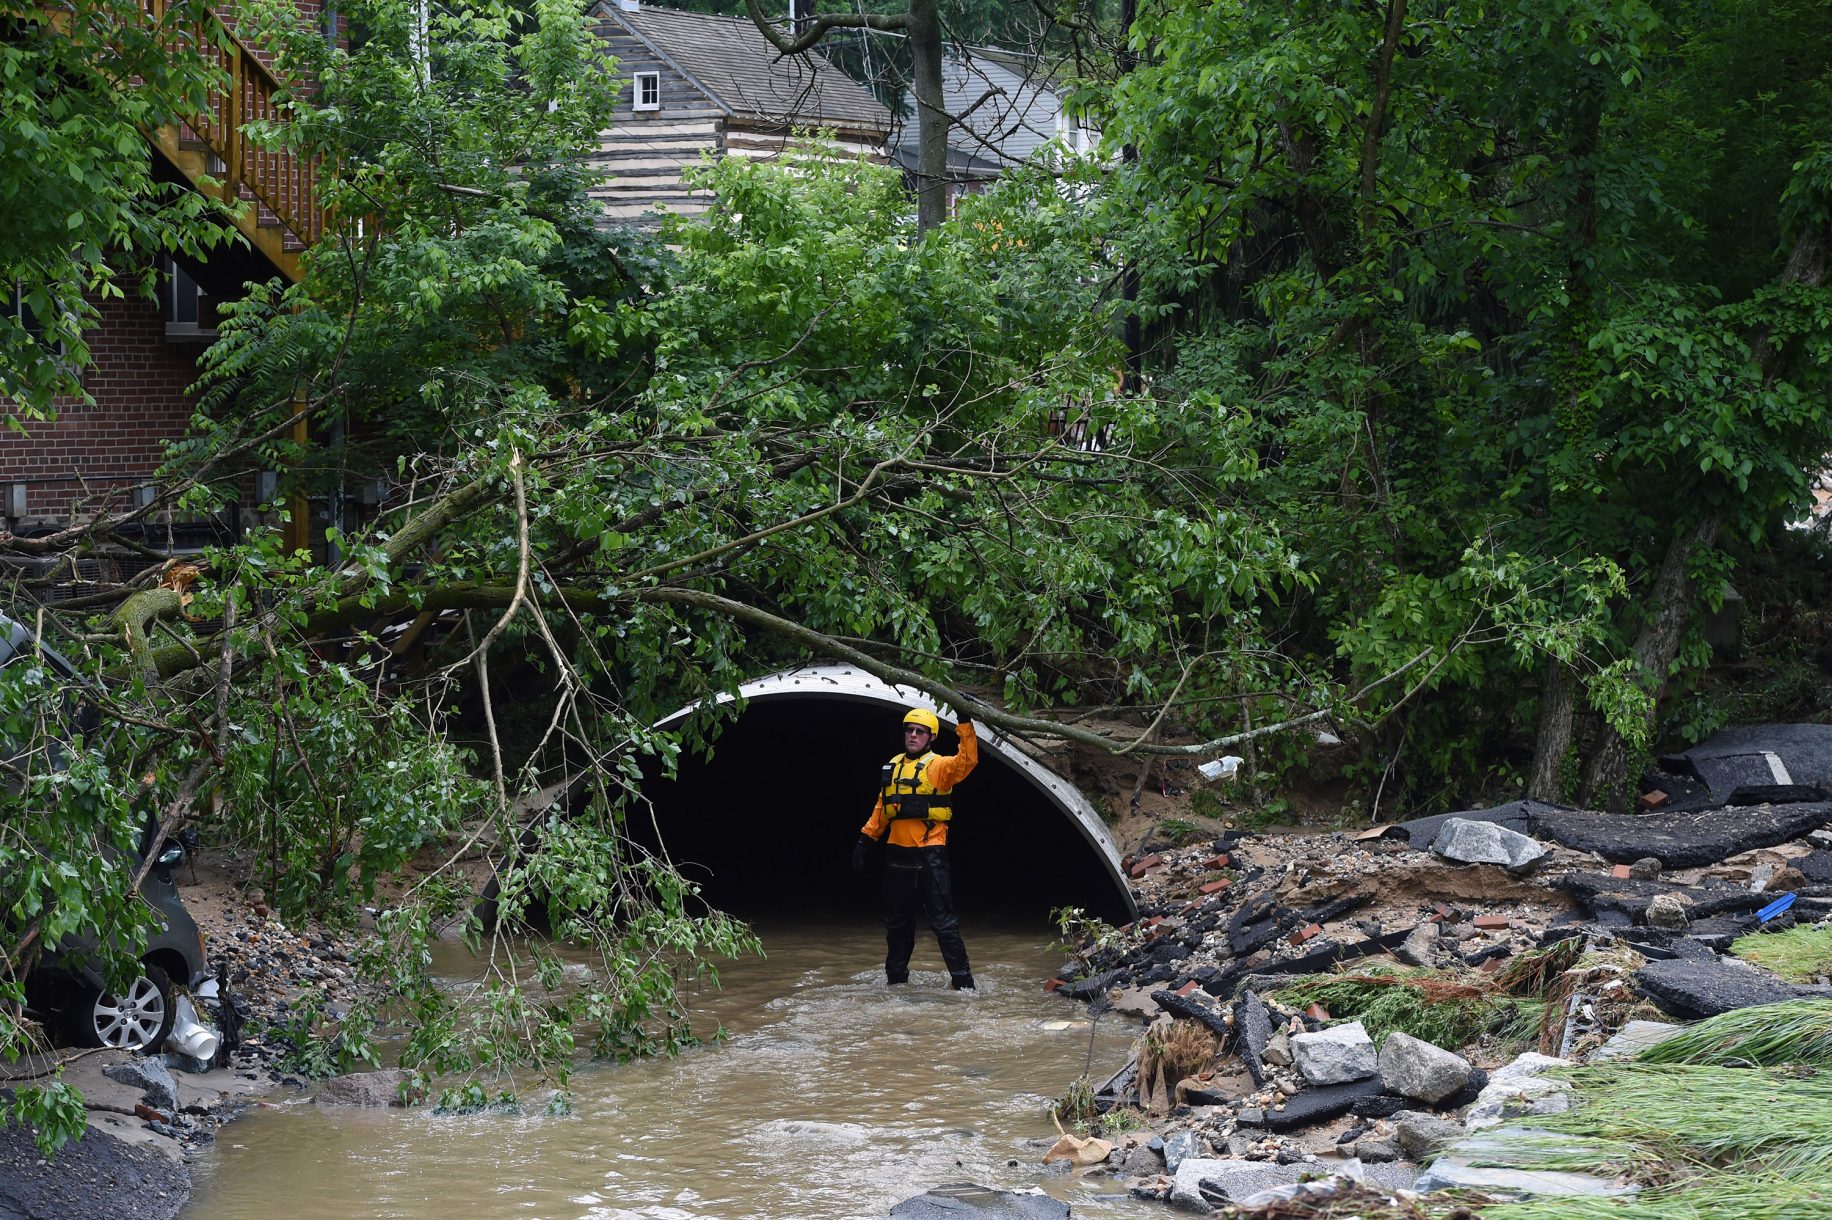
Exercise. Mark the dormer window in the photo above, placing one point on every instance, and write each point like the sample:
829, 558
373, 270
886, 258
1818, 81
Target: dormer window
647, 90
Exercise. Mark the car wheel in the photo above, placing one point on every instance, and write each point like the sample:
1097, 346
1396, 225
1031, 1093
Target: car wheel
136, 1019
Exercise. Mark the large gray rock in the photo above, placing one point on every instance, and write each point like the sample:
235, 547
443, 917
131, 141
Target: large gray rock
1335, 1055
1470, 842
364, 1089
148, 1074
1181, 1147
1517, 1089
1417, 948
1415, 1068
1420, 1134
967, 1201
1203, 1185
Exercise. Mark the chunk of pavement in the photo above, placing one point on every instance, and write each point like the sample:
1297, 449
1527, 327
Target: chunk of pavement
149, 1075
1648, 868
968, 1201
1668, 912
1202, 1185
1381, 1105
1335, 1055
364, 1089
1762, 754
1321, 1103
1183, 1146
1421, 1134
1519, 1088
1695, 989
1681, 840
1416, 949
1415, 1068
1253, 1030
1475, 1161
1518, 816
1471, 842
1198, 1006
1633, 1038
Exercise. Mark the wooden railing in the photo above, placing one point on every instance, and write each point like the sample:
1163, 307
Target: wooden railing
280, 182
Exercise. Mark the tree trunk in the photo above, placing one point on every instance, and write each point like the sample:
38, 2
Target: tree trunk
1554, 739
1655, 649
932, 119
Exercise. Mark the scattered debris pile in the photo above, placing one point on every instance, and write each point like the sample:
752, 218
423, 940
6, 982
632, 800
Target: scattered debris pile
1402, 1010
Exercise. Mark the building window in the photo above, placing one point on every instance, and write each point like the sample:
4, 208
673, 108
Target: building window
1075, 134
647, 90
189, 311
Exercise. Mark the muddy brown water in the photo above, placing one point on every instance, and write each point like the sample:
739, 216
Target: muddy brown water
832, 1098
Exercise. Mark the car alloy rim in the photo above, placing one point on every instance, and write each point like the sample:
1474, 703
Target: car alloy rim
131, 1021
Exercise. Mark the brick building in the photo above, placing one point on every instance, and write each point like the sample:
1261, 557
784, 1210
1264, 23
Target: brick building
99, 454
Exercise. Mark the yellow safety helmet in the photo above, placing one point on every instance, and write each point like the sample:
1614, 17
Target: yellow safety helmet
923, 717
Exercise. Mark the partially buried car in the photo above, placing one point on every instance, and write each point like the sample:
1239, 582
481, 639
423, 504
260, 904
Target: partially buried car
69, 985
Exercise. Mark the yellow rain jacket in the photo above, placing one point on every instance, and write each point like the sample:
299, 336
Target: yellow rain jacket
917, 790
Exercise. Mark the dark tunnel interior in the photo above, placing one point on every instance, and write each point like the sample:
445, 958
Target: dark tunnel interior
767, 824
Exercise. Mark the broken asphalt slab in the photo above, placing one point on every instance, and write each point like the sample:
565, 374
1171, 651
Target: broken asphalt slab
1682, 840
1677, 840
1319, 1104
97, 1177
1697, 989
1759, 755
1629, 898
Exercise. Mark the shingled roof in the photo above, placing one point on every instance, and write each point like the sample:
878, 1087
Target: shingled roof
730, 61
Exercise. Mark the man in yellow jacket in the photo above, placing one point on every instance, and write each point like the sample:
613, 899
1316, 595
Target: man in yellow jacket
915, 805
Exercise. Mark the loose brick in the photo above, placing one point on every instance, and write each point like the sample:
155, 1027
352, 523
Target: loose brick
1187, 988
1142, 866
1621, 871
1317, 1012
1491, 923
1652, 800
1305, 933
1213, 887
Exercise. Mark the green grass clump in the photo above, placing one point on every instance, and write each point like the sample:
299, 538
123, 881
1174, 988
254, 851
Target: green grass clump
1177, 832
1708, 1142
1791, 1032
1437, 1008
1799, 955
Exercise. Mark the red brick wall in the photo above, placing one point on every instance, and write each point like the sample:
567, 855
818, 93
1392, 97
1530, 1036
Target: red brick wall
99, 453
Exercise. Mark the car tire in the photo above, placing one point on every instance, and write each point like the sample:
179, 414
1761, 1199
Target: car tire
137, 1020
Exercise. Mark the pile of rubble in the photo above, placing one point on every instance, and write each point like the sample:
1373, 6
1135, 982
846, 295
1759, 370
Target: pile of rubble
1596, 920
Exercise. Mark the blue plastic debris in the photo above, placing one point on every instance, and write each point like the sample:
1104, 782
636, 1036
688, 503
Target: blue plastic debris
1775, 908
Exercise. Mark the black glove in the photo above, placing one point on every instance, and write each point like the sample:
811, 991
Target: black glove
858, 854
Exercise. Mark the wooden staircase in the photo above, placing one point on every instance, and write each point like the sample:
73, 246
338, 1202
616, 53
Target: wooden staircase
274, 194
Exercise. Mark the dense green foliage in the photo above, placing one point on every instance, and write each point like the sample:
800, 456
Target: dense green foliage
85, 213
1508, 294
1482, 344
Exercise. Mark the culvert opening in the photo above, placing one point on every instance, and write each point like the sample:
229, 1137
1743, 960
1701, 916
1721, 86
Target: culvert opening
767, 823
